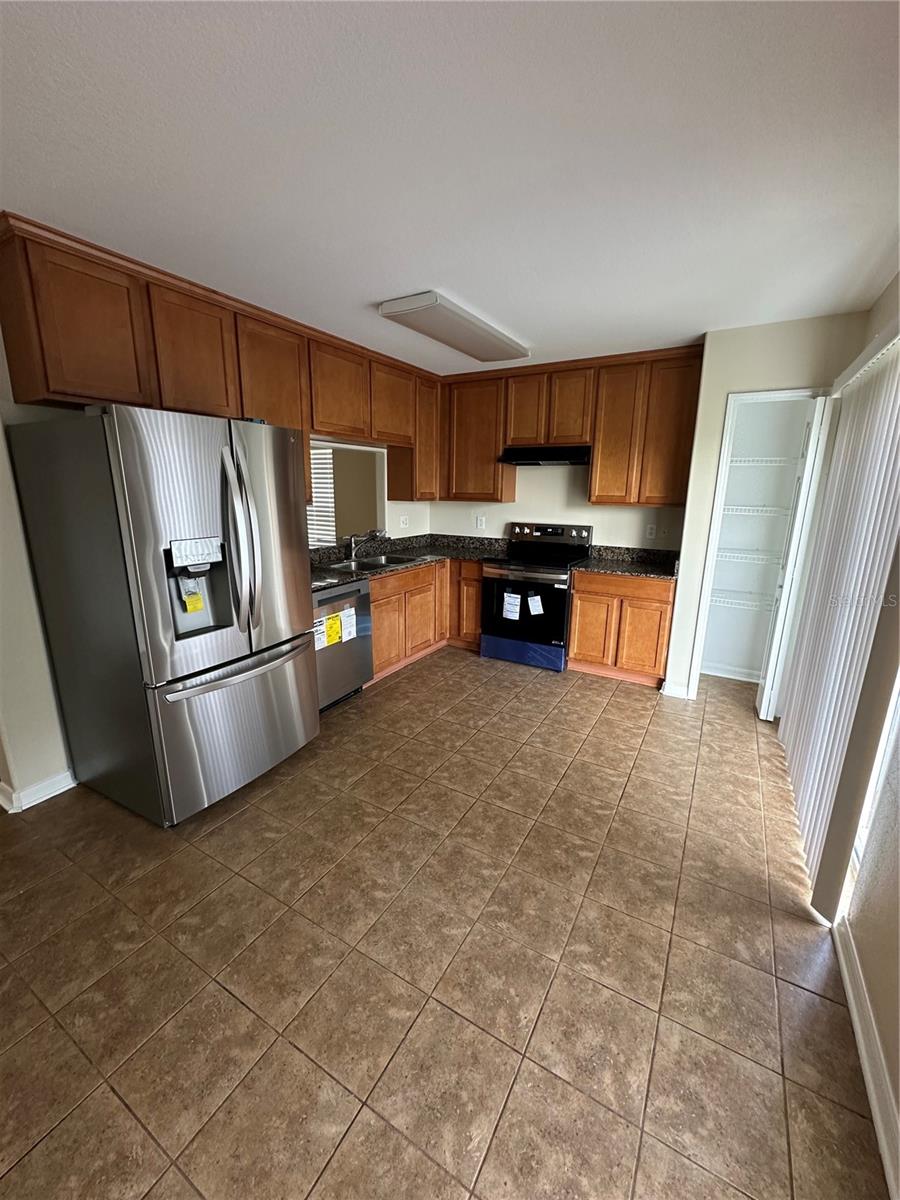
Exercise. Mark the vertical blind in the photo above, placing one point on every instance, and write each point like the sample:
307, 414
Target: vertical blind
320, 514
851, 553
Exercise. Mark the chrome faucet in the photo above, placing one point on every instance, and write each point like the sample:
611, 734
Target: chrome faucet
355, 540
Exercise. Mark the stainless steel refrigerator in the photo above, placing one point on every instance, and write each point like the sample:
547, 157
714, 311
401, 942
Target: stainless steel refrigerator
171, 559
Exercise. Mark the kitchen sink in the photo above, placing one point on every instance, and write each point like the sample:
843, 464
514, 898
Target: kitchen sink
389, 560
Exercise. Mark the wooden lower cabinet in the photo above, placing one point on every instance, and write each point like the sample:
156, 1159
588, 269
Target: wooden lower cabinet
388, 631
465, 603
619, 625
410, 614
442, 600
419, 617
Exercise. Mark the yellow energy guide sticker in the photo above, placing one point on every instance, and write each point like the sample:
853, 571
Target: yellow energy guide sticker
332, 629
194, 602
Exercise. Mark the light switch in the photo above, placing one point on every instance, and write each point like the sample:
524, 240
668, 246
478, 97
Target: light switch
404, 522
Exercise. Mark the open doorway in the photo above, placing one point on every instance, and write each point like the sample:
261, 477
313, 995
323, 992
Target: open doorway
769, 467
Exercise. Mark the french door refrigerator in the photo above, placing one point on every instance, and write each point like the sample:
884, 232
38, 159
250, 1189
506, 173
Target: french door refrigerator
172, 564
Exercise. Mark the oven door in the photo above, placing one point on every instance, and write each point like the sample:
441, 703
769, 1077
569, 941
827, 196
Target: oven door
529, 605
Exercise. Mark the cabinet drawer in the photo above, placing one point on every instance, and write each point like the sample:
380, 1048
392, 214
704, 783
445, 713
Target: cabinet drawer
400, 581
636, 586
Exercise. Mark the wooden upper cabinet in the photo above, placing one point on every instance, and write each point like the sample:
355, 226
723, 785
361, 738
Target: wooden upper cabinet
669, 432
196, 349
643, 636
526, 410
476, 439
427, 464
274, 366
393, 404
94, 325
571, 407
340, 391
618, 434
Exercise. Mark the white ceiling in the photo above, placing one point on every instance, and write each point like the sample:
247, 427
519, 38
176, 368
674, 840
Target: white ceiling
590, 177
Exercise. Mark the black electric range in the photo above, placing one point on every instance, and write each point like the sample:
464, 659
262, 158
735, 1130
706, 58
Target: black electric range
525, 596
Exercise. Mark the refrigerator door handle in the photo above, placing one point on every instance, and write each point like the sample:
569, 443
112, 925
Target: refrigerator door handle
239, 526
256, 590
216, 685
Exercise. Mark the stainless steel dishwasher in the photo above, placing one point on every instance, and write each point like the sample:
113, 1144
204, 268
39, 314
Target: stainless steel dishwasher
343, 634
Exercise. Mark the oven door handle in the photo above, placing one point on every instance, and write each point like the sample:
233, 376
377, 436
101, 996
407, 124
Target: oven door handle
501, 573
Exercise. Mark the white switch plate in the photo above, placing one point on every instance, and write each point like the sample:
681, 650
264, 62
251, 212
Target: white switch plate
651, 531
404, 522
479, 521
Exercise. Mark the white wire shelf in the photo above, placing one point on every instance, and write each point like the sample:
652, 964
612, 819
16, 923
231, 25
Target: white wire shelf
754, 510
749, 601
764, 462
762, 557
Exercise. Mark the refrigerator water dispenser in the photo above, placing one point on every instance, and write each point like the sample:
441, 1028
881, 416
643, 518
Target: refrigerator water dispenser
198, 582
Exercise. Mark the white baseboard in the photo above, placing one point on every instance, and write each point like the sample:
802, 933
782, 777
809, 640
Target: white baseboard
18, 801
678, 691
726, 672
885, 1112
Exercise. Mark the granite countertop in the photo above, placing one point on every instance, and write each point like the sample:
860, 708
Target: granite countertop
618, 566
323, 578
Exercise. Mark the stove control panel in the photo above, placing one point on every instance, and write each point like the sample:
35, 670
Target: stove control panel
566, 535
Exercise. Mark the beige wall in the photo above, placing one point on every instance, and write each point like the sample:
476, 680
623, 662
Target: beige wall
884, 310
358, 490
791, 354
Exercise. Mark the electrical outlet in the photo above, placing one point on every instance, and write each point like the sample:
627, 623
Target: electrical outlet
664, 533
479, 521
404, 521
651, 531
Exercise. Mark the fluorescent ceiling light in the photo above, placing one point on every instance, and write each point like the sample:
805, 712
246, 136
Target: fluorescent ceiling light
439, 318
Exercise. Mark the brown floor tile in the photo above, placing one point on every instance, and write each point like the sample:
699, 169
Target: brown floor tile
40, 911
618, 734
721, 1110
274, 1133
20, 1009
42, 1077
634, 886
99, 1150
13, 830
341, 768
549, 736
557, 856
578, 814
663, 768
445, 1087
537, 763
497, 983
445, 734
619, 951
435, 806
725, 922
26, 864
176, 885
395, 850
416, 938
346, 901
570, 719
820, 1047
665, 1175
553, 1142
296, 799
597, 1040
716, 784
385, 786
242, 838
177, 1079
490, 748
217, 929
723, 999
132, 849
513, 790
380, 742
419, 758
722, 819
468, 714
496, 831
668, 802
121, 1010
374, 1162
457, 877
518, 725
69, 961
590, 780
292, 865
277, 973
210, 818
834, 1152
646, 837
720, 861
531, 911
805, 955
172, 1186
681, 744
355, 1022
467, 775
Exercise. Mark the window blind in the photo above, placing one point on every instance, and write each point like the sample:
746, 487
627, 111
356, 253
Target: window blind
851, 554
320, 514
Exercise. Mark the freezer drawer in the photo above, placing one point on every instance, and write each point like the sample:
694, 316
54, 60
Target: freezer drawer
217, 731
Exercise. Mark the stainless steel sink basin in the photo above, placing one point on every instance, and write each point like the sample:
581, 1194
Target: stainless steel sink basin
388, 560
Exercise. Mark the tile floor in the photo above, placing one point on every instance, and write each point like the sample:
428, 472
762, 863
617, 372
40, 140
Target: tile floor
496, 933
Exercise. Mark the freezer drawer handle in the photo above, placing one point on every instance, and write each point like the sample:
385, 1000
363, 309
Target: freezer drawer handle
216, 685
256, 593
240, 529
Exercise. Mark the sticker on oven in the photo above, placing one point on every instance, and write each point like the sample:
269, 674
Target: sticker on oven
534, 606
511, 604
319, 633
348, 624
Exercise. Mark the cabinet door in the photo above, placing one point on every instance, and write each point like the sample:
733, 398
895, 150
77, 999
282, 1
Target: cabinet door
470, 610
420, 605
388, 631
274, 365
476, 435
571, 407
618, 434
441, 600
643, 636
95, 328
426, 448
526, 410
196, 348
593, 628
669, 432
393, 404
340, 391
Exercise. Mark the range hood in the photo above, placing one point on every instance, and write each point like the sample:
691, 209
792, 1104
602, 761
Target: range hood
546, 456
